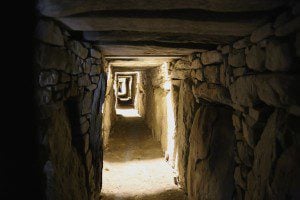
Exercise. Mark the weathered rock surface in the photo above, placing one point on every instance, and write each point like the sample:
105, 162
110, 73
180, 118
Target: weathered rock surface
67, 166
243, 43
86, 103
196, 64
278, 56
95, 53
212, 93
265, 157
180, 74
95, 70
182, 64
273, 89
211, 57
78, 49
211, 162
212, 74
48, 57
186, 110
47, 78
84, 81
262, 33
255, 58
245, 153
237, 58
48, 32
197, 74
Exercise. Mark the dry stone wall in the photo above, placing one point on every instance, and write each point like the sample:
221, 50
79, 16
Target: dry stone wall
255, 83
70, 85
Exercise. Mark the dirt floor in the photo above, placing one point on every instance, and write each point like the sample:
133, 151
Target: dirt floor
134, 166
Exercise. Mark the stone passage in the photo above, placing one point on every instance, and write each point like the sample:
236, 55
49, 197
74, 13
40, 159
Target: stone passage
215, 83
134, 166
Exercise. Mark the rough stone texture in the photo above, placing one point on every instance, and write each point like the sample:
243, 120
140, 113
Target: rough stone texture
255, 58
211, 74
211, 162
48, 78
92, 87
237, 58
240, 44
265, 158
288, 28
196, 64
86, 103
223, 74
212, 93
85, 127
84, 81
95, 79
95, 53
48, 57
211, 57
286, 176
240, 71
226, 49
68, 177
86, 68
95, 70
245, 153
274, 89
182, 64
78, 49
262, 33
237, 122
64, 78
186, 110
238, 177
180, 74
48, 32
43, 96
278, 56
197, 74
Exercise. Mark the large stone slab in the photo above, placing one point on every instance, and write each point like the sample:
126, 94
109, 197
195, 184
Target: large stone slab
48, 32
262, 33
278, 90
278, 56
48, 57
211, 162
212, 93
78, 49
186, 110
47, 78
212, 74
255, 58
265, 157
236, 58
211, 57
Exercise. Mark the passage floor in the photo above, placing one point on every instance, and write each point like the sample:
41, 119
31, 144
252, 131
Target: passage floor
134, 166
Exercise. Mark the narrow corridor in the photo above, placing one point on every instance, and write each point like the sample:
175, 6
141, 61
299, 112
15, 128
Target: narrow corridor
134, 166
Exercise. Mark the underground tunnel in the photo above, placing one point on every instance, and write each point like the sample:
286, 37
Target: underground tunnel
168, 99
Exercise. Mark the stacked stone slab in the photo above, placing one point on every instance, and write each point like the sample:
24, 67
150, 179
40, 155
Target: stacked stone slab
67, 74
256, 79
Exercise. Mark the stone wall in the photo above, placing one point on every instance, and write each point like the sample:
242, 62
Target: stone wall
255, 82
140, 97
109, 110
161, 109
70, 84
